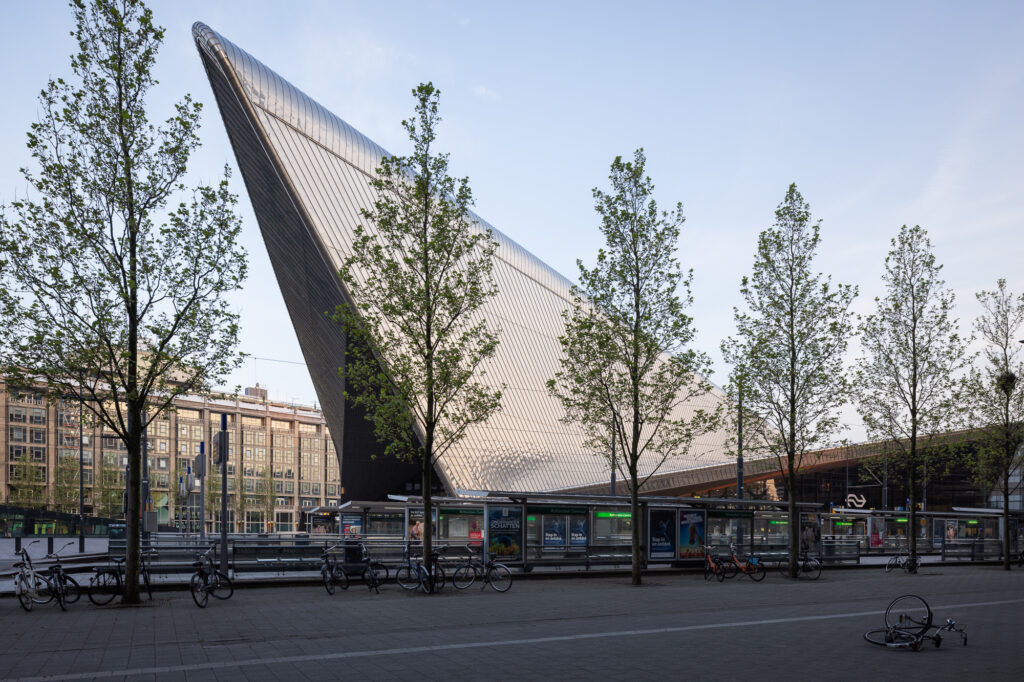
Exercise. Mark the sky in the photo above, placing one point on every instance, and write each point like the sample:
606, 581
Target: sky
882, 113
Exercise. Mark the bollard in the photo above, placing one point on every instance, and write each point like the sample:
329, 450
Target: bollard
49, 545
17, 544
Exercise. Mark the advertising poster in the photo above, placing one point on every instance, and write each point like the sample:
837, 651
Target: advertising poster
691, 534
505, 530
578, 531
876, 531
351, 524
663, 534
554, 530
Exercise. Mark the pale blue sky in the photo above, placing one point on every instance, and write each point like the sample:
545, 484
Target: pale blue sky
883, 113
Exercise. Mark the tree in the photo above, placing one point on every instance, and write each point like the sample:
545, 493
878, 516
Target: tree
789, 346
65, 484
416, 334
107, 488
994, 396
116, 273
627, 374
27, 483
240, 502
267, 498
912, 354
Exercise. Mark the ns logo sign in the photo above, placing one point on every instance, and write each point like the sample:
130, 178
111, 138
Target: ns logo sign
855, 500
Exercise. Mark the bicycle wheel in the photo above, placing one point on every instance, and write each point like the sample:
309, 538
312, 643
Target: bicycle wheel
811, 568
499, 577
380, 570
407, 578
370, 577
439, 578
145, 581
463, 577
328, 581
44, 590
912, 564
21, 587
729, 569
892, 563
71, 590
784, 567
757, 573
425, 583
340, 577
909, 613
709, 571
897, 639
220, 586
197, 586
103, 587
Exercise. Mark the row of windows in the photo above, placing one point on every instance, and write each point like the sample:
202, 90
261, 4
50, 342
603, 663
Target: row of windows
21, 434
23, 415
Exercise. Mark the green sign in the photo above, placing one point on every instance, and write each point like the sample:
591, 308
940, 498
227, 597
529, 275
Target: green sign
778, 523
730, 514
973, 522
462, 510
531, 518
556, 510
613, 515
902, 520
844, 523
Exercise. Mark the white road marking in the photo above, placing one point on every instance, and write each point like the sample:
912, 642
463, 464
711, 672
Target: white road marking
157, 670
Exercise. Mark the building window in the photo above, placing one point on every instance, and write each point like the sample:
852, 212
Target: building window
36, 416
17, 414
279, 424
37, 436
161, 481
315, 489
18, 434
303, 488
308, 428
37, 454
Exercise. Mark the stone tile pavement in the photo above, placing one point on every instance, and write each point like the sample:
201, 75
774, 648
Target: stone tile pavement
673, 626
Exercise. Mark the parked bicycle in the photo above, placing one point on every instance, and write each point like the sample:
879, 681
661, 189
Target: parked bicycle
412, 574
714, 567
108, 582
374, 573
30, 587
750, 566
908, 625
806, 565
332, 572
909, 563
498, 576
207, 580
65, 589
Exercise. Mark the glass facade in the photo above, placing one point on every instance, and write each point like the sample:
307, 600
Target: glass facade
324, 167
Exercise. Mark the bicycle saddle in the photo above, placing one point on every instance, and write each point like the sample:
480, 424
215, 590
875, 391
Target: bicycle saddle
118, 559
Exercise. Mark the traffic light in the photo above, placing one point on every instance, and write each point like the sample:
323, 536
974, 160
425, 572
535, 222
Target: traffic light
221, 446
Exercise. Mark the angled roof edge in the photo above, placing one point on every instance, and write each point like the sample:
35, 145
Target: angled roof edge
265, 89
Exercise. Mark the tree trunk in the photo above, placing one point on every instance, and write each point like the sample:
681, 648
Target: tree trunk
1006, 517
794, 520
133, 528
428, 518
634, 507
912, 504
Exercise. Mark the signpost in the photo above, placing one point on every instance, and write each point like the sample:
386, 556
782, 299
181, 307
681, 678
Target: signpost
201, 475
222, 459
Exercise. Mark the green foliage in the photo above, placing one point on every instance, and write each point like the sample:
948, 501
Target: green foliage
912, 354
993, 396
417, 280
115, 274
789, 347
627, 374
27, 483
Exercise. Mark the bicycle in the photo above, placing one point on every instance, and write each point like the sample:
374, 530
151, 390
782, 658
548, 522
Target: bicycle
30, 587
713, 565
208, 581
805, 565
65, 588
414, 575
751, 566
374, 573
108, 582
498, 576
331, 571
908, 625
909, 563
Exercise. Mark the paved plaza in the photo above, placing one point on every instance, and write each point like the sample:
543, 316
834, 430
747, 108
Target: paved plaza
676, 626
